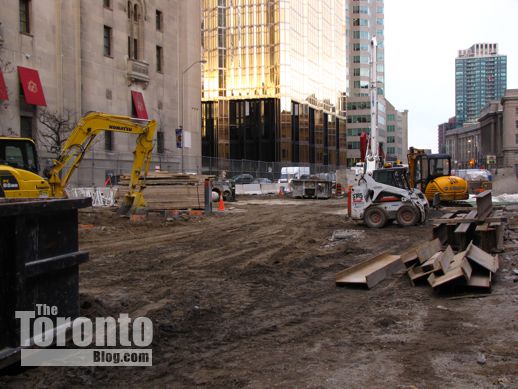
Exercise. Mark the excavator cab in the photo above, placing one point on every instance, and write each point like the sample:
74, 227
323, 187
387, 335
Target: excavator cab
19, 153
431, 166
19, 169
431, 173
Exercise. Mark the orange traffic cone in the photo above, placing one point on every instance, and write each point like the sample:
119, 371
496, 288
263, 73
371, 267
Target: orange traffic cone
281, 191
221, 206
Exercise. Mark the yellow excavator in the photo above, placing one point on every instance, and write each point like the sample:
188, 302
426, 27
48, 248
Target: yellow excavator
431, 173
19, 167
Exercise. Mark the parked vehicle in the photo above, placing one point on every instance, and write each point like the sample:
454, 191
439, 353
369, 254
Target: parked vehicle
292, 172
243, 179
262, 180
385, 196
225, 187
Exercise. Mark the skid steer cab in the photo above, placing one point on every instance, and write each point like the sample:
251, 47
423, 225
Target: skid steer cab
386, 196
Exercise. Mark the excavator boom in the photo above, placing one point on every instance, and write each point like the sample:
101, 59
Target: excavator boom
80, 140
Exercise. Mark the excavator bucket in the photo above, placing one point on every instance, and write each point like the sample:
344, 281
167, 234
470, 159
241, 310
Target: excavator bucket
132, 204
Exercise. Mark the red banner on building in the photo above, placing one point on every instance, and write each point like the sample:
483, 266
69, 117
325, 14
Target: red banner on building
3, 88
31, 85
138, 104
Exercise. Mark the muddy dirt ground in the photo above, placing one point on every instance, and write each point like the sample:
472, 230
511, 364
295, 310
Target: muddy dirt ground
248, 299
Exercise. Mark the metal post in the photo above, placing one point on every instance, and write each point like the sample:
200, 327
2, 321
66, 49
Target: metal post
181, 128
181, 101
208, 196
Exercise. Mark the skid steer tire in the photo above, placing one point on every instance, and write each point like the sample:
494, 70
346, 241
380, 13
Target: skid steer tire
407, 216
375, 217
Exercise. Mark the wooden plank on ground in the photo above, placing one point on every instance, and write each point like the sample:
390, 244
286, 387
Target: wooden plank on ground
499, 229
480, 280
484, 204
460, 269
427, 249
455, 220
431, 264
370, 272
446, 259
416, 274
409, 256
480, 257
463, 235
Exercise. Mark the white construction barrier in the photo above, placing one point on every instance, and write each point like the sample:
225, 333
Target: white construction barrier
240, 189
101, 197
269, 188
257, 189
252, 189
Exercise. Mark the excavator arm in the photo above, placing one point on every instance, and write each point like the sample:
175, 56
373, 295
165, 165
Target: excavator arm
80, 140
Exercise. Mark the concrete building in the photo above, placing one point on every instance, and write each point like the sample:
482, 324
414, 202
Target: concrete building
442, 129
273, 81
463, 145
397, 134
480, 77
493, 140
123, 57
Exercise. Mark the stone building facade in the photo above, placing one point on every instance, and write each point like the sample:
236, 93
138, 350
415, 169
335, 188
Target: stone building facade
104, 56
495, 135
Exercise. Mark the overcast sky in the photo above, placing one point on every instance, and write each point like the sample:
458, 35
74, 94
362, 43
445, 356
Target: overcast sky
421, 43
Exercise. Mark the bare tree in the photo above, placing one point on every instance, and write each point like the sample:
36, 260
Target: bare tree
57, 129
6, 67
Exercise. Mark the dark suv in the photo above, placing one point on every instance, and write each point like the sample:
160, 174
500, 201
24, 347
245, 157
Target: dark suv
243, 179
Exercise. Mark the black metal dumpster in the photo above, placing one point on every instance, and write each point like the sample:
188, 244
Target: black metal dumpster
39, 262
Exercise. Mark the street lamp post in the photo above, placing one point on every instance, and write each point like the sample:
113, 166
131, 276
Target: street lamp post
181, 100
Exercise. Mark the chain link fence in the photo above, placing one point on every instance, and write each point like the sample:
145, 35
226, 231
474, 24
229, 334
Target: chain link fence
105, 169
258, 169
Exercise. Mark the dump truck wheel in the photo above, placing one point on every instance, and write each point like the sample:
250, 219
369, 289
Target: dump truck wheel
227, 195
407, 216
375, 217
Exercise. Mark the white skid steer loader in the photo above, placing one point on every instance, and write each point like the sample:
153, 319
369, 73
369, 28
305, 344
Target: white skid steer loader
386, 196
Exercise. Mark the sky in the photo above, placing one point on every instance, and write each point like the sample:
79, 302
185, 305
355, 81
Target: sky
422, 39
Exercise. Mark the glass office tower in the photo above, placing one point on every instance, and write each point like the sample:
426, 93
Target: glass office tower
273, 81
480, 77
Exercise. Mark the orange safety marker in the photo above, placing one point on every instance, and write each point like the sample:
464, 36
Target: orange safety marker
221, 206
338, 190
